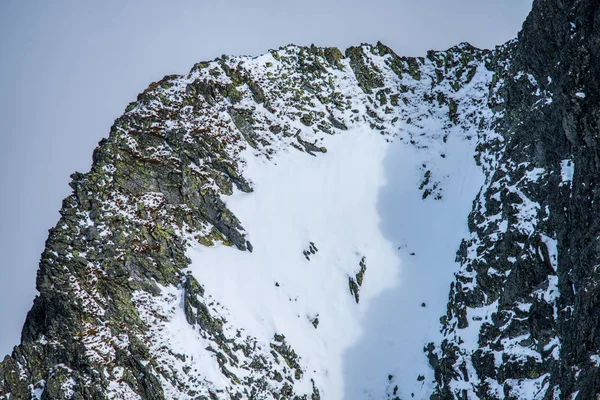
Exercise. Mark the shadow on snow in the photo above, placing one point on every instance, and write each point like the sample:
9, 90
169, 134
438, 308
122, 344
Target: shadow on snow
400, 321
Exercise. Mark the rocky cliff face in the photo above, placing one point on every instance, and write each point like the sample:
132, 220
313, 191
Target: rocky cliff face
173, 273
528, 281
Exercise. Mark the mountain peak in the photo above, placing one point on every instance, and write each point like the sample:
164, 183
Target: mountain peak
294, 225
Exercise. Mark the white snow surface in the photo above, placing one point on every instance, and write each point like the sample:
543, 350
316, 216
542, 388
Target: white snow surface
567, 168
360, 199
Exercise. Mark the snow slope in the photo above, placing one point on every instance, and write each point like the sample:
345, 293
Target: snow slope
361, 199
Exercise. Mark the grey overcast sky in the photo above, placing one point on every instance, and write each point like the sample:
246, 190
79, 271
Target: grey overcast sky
69, 68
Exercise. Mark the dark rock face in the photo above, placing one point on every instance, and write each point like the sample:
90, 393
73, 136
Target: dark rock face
534, 280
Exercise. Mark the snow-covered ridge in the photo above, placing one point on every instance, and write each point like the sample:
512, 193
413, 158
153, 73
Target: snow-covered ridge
321, 199
416, 170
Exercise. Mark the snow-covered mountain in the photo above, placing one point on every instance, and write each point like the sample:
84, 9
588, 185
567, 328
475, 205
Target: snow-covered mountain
308, 224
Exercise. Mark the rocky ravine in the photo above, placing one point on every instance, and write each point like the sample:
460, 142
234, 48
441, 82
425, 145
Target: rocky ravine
521, 315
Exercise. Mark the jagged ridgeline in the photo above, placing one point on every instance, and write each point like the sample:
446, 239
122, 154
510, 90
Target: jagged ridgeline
115, 271
208, 253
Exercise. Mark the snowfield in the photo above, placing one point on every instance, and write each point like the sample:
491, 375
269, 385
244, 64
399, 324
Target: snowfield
360, 199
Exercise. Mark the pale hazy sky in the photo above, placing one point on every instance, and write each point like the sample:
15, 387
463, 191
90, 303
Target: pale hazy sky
69, 68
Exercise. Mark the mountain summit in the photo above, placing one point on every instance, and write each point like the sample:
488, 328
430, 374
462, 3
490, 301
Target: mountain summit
312, 224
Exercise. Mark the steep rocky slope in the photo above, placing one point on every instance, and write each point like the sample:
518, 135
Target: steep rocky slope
288, 226
528, 282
